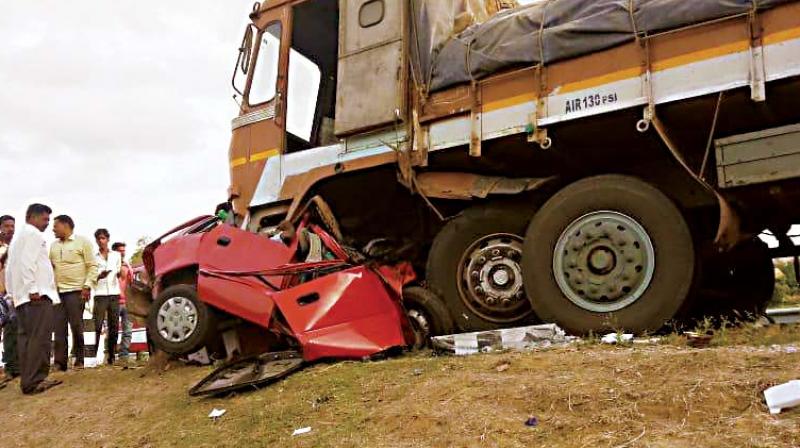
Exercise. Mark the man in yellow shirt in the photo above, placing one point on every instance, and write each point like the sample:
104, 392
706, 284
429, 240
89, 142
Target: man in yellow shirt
76, 273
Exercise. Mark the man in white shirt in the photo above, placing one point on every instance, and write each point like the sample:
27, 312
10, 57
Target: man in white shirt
106, 293
31, 283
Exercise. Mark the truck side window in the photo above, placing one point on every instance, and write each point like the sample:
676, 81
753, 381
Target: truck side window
304, 80
265, 76
371, 13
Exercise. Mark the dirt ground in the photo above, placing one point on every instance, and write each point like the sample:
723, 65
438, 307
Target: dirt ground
588, 395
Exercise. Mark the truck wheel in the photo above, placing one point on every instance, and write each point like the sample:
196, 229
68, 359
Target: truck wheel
608, 252
737, 285
428, 315
475, 266
178, 322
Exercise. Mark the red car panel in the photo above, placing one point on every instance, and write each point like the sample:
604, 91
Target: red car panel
177, 254
227, 248
349, 314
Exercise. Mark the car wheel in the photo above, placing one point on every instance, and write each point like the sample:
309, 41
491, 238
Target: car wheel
608, 252
427, 314
475, 266
178, 322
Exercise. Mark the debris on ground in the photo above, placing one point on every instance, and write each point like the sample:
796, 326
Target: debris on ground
249, 373
532, 422
783, 396
698, 340
784, 349
520, 338
301, 431
617, 338
216, 413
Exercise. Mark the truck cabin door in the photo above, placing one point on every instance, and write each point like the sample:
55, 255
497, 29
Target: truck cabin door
258, 133
372, 70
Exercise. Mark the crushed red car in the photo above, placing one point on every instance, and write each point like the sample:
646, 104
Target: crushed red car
272, 304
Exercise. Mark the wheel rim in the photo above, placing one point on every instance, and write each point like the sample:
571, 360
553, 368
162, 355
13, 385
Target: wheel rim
421, 326
604, 261
490, 278
177, 319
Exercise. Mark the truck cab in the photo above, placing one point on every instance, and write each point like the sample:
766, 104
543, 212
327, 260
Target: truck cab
306, 80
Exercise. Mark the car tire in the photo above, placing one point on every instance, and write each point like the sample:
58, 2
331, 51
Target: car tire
178, 322
460, 241
427, 314
608, 253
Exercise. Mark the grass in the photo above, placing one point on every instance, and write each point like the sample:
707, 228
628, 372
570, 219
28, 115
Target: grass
588, 395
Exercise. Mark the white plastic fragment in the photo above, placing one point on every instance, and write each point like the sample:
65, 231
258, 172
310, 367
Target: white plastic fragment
300, 431
783, 396
466, 344
520, 338
216, 413
614, 338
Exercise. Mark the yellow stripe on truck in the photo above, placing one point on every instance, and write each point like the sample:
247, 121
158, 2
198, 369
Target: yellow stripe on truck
263, 155
238, 162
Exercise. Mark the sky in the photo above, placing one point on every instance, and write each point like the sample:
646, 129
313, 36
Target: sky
117, 113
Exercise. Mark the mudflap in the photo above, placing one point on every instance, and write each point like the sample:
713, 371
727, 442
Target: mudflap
249, 373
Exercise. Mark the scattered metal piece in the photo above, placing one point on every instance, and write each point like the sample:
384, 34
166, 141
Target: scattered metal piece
784, 315
698, 340
249, 373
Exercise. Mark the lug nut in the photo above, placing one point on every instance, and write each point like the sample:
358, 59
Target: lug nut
491, 300
475, 274
496, 253
482, 260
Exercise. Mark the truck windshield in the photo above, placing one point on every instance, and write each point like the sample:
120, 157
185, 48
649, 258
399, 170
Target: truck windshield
265, 74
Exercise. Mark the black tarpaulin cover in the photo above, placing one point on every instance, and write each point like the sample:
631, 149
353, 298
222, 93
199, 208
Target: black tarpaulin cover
549, 31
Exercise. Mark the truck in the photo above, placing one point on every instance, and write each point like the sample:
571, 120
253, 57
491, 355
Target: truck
600, 165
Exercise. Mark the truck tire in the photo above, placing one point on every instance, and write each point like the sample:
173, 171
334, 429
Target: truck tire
608, 252
428, 315
475, 266
738, 285
178, 322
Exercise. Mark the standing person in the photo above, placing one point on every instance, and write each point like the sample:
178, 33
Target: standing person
10, 363
125, 279
31, 283
106, 293
76, 272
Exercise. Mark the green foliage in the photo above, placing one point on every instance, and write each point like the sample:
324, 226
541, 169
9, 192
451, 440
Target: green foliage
787, 290
141, 243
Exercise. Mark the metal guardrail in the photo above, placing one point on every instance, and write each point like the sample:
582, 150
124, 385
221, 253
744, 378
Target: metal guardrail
784, 315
